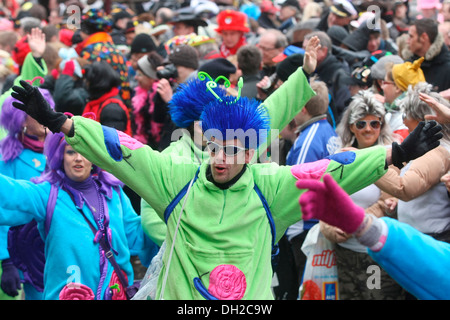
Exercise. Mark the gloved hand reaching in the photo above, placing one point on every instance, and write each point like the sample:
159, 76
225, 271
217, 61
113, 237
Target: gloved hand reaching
34, 104
422, 139
10, 281
328, 202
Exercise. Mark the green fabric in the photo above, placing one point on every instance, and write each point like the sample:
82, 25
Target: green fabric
30, 70
218, 226
281, 107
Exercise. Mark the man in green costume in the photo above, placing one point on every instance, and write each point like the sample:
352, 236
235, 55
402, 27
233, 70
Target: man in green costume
220, 234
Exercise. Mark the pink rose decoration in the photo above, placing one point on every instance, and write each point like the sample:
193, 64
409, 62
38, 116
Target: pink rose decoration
76, 291
226, 282
118, 293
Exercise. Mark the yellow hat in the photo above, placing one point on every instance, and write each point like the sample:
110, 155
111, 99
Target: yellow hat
408, 73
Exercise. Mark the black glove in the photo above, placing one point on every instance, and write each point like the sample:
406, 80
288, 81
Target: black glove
10, 280
34, 104
424, 138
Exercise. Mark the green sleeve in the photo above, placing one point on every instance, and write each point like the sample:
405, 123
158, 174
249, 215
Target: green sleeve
154, 176
278, 183
287, 101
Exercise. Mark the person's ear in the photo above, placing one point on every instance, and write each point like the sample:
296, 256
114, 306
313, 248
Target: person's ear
249, 155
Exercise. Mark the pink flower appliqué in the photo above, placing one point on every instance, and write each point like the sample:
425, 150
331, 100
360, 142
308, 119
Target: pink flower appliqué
76, 291
118, 293
227, 282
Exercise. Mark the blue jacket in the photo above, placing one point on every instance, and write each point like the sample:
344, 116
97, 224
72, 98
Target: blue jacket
27, 165
418, 262
70, 252
314, 142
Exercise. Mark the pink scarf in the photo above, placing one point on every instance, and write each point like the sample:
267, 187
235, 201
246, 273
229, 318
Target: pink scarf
32, 143
141, 99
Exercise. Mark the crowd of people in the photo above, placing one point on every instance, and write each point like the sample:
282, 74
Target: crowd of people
116, 144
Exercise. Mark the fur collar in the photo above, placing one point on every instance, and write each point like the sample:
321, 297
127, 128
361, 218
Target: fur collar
432, 52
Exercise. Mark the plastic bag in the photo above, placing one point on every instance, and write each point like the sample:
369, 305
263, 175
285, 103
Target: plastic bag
320, 278
147, 290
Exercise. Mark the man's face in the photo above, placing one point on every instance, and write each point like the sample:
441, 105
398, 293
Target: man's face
414, 42
230, 38
335, 20
267, 46
224, 167
182, 29
374, 42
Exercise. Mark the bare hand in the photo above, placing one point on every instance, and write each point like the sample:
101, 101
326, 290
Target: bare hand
310, 58
333, 234
165, 90
446, 180
390, 205
442, 111
263, 83
36, 41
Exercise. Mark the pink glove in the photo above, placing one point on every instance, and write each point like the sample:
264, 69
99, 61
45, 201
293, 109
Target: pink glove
328, 202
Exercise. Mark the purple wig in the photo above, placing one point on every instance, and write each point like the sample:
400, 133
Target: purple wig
12, 120
54, 147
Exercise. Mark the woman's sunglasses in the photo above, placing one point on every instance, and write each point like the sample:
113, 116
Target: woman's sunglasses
361, 124
229, 150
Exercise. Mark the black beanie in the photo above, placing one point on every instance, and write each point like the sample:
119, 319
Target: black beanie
218, 67
337, 34
289, 65
142, 43
185, 56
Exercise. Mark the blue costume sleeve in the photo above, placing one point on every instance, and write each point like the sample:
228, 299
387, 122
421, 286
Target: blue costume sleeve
416, 261
23, 201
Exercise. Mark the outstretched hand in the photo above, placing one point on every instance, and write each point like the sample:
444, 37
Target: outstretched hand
310, 57
422, 139
31, 101
442, 111
328, 202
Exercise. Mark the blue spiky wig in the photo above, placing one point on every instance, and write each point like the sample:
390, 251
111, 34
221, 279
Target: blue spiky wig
188, 102
236, 118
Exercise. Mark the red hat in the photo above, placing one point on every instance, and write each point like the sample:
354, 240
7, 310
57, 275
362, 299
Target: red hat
20, 51
232, 20
268, 6
65, 36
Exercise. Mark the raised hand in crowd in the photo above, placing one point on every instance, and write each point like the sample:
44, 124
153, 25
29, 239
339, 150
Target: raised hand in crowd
36, 41
442, 112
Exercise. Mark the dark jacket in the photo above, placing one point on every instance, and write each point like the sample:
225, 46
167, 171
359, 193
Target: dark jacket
332, 71
69, 95
436, 66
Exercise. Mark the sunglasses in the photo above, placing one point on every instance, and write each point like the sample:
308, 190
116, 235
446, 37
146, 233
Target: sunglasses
229, 150
361, 124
